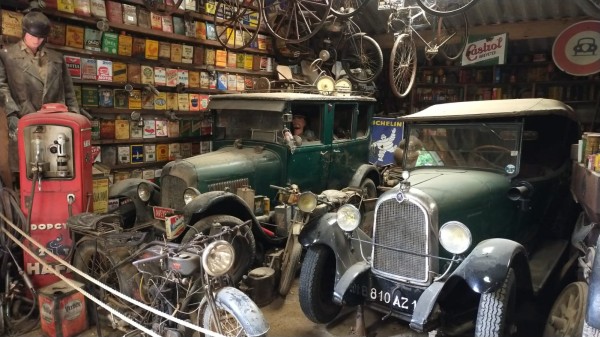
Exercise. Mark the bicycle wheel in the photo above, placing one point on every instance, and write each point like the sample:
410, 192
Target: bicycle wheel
346, 8
362, 59
403, 65
452, 34
445, 8
295, 20
229, 18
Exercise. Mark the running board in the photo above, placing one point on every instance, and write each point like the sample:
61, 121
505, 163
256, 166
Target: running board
544, 262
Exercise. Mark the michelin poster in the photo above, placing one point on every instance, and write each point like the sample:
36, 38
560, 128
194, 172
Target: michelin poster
385, 135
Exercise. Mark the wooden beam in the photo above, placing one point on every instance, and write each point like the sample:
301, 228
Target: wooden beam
516, 31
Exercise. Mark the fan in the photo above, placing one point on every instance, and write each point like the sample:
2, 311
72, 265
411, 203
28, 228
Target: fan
326, 85
262, 83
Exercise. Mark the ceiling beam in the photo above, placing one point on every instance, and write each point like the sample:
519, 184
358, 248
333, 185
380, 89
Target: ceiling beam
516, 31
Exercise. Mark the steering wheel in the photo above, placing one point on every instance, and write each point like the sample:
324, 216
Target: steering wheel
492, 155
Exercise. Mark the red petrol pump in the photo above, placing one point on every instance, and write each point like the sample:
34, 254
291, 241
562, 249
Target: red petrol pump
55, 164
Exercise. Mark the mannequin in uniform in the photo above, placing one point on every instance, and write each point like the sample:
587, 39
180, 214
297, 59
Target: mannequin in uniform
32, 75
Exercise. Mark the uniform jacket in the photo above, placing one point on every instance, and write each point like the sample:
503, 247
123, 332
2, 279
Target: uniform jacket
25, 90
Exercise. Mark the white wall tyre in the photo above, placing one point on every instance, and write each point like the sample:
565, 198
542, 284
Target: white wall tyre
568, 311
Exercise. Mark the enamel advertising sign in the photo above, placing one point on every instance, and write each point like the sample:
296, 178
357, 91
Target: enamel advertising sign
488, 50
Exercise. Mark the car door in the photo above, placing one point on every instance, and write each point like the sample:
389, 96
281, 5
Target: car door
350, 142
308, 164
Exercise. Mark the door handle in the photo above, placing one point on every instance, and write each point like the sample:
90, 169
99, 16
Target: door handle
337, 150
324, 153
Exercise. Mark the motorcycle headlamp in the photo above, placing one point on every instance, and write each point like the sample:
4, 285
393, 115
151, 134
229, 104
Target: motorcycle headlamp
348, 217
144, 191
455, 237
190, 194
218, 258
307, 202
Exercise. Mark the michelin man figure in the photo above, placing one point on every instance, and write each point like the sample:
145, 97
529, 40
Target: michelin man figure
385, 144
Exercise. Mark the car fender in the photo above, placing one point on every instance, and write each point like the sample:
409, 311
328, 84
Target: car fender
227, 203
244, 310
364, 171
128, 188
592, 315
484, 270
486, 267
350, 253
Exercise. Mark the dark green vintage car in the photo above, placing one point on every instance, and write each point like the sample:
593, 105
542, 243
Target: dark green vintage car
253, 147
480, 222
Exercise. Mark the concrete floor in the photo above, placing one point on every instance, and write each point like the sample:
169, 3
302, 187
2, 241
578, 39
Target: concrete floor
286, 320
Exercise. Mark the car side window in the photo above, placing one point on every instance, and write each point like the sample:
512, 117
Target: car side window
342, 121
306, 122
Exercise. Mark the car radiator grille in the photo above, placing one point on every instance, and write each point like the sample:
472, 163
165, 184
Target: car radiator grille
401, 226
172, 191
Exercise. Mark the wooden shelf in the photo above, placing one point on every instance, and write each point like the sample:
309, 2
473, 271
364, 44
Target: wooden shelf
156, 140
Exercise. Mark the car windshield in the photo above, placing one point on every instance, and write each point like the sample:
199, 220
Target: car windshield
491, 146
249, 124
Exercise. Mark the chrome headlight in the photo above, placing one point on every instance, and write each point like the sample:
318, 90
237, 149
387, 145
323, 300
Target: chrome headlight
455, 237
144, 191
348, 217
307, 202
190, 194
218, 258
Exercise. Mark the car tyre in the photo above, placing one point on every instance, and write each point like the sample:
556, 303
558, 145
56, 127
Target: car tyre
317, 279
243, 243
368, 185
495, 316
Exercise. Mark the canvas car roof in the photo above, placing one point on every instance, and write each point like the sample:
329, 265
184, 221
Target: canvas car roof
274, 101
491, 109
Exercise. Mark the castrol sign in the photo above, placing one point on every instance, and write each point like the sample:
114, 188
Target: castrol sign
485, 51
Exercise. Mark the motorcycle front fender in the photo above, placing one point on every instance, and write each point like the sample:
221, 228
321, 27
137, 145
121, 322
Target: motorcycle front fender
244, 310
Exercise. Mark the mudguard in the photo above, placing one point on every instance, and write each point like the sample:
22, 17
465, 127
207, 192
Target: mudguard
128, 188
351, 254
244, 310
362, 172
484, 270
592, 314
221, 202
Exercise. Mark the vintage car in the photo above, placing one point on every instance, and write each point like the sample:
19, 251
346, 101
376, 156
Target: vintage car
253, 148
480, 222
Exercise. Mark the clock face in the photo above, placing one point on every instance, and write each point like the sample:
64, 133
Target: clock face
343, 87
325, 85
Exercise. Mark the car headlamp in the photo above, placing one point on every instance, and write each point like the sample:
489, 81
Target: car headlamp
455, 237
218, 258
307, 202
348, 217
144, 191
190, 194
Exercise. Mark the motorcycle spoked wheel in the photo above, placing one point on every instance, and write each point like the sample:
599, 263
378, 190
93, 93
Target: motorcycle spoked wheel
94, 259
291, 259
243, 243
230, 326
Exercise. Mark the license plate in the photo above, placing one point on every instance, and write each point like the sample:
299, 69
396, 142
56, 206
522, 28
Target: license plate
400, 299
160, 213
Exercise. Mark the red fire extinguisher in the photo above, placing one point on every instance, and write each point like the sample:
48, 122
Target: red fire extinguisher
55, 165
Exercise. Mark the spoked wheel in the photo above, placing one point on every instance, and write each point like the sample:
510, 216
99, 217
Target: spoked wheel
446, 8
295, 20
229, 19
94, 259
287, 53
230, 325
346, 8
243, 243
291, 258
452, 33
495, 316
568, 311
362, 58
403, 65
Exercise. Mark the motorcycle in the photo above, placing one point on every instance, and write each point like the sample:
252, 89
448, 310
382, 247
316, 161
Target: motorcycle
188, 280
299, 209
